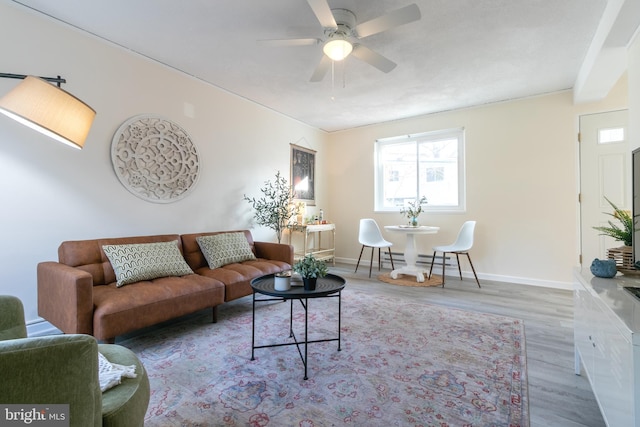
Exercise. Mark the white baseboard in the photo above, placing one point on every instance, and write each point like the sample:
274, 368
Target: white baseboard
453, 271
40, 328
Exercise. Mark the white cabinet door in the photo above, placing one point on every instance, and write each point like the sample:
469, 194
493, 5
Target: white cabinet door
583, 328
613, 370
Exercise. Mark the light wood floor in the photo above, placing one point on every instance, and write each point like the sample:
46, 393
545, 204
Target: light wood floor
557, 397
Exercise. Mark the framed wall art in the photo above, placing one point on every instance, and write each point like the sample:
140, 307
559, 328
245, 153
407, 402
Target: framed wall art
155, 159
303, 174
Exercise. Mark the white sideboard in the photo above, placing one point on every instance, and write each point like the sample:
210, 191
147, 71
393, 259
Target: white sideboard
607, 342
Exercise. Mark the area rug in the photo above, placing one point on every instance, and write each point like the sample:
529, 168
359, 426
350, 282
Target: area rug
406, 280
401, 364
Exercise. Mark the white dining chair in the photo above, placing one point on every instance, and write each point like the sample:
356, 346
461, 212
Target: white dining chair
462, 245
369, 235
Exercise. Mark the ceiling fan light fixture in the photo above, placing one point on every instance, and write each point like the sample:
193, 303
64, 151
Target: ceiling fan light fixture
337, 49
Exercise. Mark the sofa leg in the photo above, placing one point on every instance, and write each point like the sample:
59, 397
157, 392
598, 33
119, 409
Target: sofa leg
215, 314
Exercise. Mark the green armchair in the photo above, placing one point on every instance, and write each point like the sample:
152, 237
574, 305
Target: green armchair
63, 369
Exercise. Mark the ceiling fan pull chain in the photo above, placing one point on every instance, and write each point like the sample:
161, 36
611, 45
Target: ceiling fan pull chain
333, 84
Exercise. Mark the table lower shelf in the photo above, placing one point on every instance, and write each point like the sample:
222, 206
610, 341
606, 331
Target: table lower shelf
320, 254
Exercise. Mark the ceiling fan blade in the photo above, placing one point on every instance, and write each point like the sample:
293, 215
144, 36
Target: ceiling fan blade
323, 13
382, 23
289, 42
367, 55
321, 69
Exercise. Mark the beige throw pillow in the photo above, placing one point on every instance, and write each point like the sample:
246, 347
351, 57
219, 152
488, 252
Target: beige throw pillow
225, 248
145, 261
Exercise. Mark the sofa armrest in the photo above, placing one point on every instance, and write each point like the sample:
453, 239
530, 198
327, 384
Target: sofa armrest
59, 369
65, 297
274, 251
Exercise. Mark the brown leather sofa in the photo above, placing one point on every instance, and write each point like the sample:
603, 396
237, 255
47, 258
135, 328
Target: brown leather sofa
78, 294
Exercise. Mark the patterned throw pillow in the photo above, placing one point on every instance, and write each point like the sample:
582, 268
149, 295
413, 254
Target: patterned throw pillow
225, 248
146, 261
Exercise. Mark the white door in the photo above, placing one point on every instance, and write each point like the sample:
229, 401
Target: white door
605, 171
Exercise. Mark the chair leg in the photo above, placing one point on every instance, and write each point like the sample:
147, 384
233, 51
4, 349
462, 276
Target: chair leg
391, 259
359, 259
458, 261
444, 257
433, 258
373, 253
473, 269
379, 259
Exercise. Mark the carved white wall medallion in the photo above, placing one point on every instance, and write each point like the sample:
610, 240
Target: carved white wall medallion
155, 159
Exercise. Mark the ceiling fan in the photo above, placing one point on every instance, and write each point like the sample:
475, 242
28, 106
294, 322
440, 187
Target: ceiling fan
342, 35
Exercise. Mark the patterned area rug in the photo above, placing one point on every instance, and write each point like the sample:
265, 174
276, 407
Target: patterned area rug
401, 364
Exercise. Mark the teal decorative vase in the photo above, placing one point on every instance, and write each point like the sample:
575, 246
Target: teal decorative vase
603, 268
413, 222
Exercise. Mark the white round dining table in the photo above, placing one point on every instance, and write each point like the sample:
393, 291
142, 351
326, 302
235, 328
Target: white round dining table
410, 254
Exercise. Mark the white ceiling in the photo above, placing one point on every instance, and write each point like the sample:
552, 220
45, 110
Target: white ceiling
461, 53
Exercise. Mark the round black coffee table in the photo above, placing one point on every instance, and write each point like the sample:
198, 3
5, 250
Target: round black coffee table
330, 286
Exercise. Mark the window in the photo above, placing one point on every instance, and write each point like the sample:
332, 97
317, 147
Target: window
610, 135
429, 164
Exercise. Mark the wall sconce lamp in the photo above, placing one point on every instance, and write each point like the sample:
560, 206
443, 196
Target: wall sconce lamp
48, 109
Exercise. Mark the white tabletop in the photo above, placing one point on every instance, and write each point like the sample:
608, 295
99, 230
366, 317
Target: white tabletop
423, 229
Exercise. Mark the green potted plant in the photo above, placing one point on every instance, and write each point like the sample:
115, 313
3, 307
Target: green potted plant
310, 268
624, 233
413, 210
623, 255
275, 208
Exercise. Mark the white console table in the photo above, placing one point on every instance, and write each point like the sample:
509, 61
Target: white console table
322, 251
607, 342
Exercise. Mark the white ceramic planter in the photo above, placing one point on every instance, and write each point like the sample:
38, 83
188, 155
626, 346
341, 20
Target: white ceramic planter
282, 283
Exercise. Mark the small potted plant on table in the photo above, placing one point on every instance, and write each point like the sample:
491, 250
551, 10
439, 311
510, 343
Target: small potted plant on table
310, 269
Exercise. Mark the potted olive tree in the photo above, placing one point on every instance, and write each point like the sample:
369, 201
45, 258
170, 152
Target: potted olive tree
275, 208
310, 268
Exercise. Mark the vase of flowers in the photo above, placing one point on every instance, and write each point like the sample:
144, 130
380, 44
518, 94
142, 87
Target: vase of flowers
413, 210
310, 269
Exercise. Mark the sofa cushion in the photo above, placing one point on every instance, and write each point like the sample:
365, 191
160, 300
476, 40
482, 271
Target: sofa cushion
124, 309
87, 255
145, 261
225, 248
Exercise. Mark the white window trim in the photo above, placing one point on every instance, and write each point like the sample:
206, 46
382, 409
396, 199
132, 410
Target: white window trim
378, 172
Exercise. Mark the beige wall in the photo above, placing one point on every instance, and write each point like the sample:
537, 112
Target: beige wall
521, 185
52, 193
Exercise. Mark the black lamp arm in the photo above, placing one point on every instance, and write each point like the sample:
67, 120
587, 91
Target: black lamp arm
58, 80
